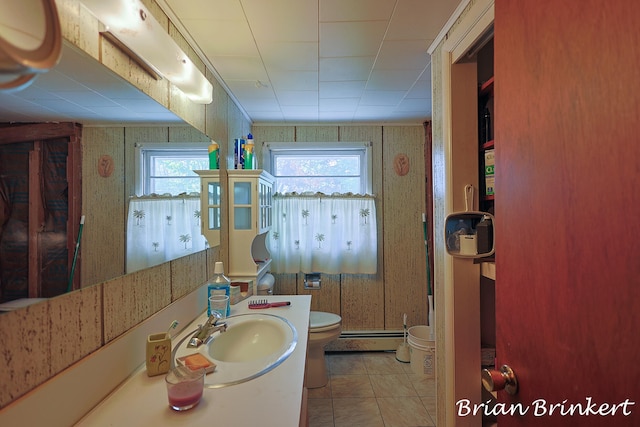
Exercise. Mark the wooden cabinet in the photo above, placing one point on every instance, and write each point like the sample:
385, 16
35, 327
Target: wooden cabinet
250, 220
210, 205
487, 200
486, 143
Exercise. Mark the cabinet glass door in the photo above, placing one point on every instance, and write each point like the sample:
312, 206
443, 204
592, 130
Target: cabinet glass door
265, 204
214, 193
242, 205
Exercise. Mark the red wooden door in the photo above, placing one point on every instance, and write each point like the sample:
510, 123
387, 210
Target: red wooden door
567, 130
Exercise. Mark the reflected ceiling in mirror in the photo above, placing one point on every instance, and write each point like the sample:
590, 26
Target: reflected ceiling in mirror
80, 89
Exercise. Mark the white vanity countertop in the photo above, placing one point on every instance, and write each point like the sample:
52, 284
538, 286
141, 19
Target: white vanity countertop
274, 398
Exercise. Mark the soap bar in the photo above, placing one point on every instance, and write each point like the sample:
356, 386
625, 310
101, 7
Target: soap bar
196, 361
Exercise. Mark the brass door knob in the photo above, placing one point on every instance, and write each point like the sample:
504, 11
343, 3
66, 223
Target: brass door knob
504, 379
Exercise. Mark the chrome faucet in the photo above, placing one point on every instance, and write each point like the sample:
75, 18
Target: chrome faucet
205, 331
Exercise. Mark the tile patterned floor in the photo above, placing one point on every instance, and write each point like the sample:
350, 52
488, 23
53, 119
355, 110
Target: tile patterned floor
372, 389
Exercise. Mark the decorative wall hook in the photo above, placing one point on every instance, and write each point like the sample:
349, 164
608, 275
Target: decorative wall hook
401, 164
105, 166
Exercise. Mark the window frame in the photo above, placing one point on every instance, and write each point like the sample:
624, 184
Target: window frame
335, 148
142, 158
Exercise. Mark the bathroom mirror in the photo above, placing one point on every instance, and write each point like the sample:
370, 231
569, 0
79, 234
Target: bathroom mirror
114, 140
469, 234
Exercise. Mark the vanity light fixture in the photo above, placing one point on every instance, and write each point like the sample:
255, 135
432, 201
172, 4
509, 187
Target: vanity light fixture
131, 27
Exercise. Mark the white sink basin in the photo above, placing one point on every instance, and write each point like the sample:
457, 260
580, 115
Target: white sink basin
252, 337
253, 345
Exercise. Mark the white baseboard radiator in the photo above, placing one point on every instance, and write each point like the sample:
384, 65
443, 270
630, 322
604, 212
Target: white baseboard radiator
366, 341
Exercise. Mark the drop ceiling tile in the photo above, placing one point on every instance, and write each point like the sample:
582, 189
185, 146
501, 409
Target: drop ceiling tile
223, 37
250, 89
57, 81
63, 106
288, 80
338, 104
267, 117
345, 69
381, 97
348, 89
32, 93
300, 111
295, 56
401, 80
87, 98
406, 54
197, 9
90, 71
165, 117
407, 117
240, 68
414, 104
335, 116
421, 89
298, 98
356, 10
351, 38
372, 112
114, 112
262, 104
283, 20
256, 40
420, 19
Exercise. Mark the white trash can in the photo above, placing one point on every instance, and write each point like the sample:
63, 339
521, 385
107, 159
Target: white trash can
422, 351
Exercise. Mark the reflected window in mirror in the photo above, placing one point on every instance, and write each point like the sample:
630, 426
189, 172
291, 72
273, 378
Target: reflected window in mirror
167, 168
163, 221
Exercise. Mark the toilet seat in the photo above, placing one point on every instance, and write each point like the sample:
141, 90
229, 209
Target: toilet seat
320, 321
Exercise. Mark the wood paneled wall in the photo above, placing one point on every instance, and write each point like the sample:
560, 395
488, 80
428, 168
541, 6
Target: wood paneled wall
102, 254
373, 302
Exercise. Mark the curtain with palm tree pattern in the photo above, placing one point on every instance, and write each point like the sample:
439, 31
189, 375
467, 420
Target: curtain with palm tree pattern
162, 228
324, 233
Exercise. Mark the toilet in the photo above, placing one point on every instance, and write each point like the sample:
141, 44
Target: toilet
323, 328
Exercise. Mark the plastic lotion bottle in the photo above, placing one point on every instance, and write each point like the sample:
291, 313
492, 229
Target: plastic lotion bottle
219, 285
214, 155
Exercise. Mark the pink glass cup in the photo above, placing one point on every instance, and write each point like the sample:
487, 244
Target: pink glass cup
184, 387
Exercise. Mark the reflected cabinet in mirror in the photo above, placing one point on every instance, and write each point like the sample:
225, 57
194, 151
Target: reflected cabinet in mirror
210, 205
469, 234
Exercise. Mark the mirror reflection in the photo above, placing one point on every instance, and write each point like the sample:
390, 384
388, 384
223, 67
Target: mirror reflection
108, 118
469, 234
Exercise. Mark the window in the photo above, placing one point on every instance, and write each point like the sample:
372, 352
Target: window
159, 227
333, 232
320, 167
168, 168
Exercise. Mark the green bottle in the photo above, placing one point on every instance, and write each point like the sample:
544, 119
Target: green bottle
214, 153
248, 156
